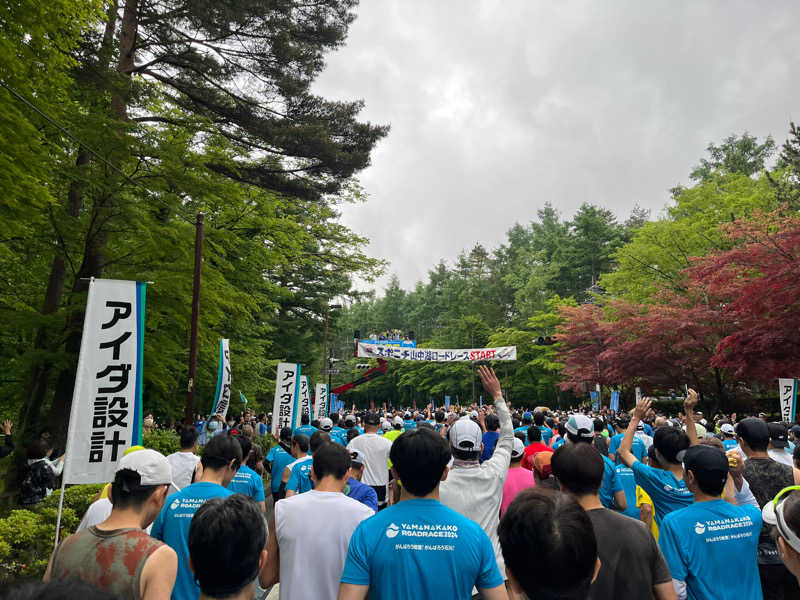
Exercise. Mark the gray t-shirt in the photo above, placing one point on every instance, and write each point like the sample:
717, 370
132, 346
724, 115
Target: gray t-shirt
632, 560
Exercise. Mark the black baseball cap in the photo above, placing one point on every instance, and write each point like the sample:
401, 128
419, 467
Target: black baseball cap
753, 431
778, 436
372, 419
708, 463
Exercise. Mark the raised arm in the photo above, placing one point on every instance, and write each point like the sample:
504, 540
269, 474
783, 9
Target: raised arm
506, 440
624, 452
688, 407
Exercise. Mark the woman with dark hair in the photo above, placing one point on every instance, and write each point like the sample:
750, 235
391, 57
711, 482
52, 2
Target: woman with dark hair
39, 473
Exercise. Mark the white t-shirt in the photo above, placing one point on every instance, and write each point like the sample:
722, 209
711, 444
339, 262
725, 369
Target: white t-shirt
313, 532
99, 511
780, 455
183, 465
375, 449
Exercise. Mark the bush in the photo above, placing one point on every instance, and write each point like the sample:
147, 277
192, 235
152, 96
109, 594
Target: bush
26, 541
265, 442
76, 497
164, 441
27, 536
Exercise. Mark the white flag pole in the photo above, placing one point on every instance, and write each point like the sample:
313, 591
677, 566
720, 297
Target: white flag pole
72, 411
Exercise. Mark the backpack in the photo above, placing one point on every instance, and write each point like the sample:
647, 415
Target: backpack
36, 479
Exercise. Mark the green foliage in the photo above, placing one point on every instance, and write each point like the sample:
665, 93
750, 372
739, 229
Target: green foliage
661, 249
164, 441
26, 541
265, 442
743, 155
76, 497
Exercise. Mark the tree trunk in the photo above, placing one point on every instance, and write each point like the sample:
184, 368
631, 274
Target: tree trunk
40, 373
92, 266
722, 394
97, 237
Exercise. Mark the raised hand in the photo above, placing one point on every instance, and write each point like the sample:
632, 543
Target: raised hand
642, 406
691, 401
490, 382
7, 425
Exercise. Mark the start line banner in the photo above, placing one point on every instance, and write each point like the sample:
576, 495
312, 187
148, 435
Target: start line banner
436, 355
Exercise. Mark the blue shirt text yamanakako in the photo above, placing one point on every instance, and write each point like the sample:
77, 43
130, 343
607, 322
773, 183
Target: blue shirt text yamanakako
390, 551
712, 546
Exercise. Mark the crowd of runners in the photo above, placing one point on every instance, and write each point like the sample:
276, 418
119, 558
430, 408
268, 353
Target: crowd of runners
481, 502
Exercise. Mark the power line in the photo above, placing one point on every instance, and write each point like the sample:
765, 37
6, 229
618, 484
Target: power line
90, 150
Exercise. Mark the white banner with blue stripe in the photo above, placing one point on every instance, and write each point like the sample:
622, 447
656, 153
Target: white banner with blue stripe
106, 414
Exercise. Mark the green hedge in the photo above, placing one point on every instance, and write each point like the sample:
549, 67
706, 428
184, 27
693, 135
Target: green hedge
26, 536
164, 441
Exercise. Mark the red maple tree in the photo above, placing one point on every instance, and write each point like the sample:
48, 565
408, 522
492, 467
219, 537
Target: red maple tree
582, 339
760, 278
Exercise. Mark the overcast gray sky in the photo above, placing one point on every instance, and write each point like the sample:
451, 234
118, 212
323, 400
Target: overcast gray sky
497, 107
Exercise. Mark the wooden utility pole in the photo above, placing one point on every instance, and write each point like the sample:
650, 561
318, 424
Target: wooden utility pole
198, 265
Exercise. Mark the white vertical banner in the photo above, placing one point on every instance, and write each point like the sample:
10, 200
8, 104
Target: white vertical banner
222, 398
106, 415
287, 387
303, 402
787, 392
321, 404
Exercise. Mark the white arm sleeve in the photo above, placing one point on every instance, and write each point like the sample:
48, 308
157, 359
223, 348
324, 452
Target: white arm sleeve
680, 589
502, 451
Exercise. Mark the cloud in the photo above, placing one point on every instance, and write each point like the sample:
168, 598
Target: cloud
498, 107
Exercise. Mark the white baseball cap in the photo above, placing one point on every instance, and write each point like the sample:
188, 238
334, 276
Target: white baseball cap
465, 434
727, 428
518, 449
385, 425
398, 420
325, 424
580, 425
153, 467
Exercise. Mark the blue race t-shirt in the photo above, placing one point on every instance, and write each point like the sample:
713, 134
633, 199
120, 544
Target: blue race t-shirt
489, 442
339, 435
280, 459
557, 443
172, 527
547, 433
666, 492
712, 546
361, 492
409, 425
389, 550
300, 475
307, 430
648, 429
638, 449
610, 485
524, 431
729, 444
625, 477
247, 482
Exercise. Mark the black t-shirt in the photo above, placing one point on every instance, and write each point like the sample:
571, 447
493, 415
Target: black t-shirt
766, 478
632, 562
